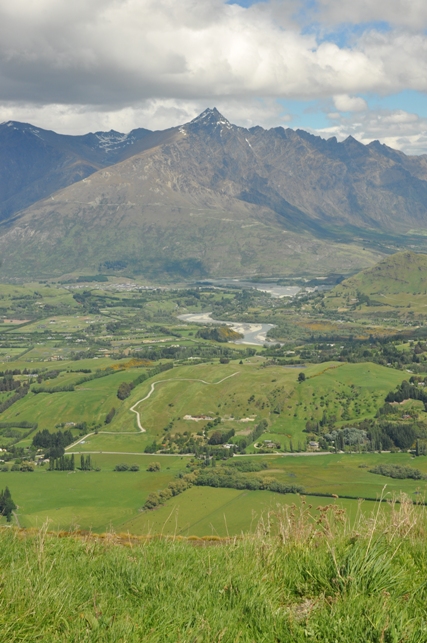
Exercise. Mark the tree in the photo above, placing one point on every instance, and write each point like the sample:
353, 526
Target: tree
110, 415
7, 506
153, 466
124, 390
301, 377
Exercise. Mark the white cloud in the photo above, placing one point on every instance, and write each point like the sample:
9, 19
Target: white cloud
156, 114
121, 52
398, 129
346, 103
408, 13
101, 64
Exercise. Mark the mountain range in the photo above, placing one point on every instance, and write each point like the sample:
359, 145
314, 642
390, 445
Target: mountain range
207, 198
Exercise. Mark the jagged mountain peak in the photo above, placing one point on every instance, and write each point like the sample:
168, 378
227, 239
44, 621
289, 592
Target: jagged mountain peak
211, 118
350, 140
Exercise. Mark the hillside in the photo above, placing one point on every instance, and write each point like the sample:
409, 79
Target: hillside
320, 580
398, 282
403, 272
211, 198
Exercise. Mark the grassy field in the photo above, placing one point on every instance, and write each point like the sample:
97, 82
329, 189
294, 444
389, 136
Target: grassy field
104, 499
204, 511
89, 402
322, 581
93, 500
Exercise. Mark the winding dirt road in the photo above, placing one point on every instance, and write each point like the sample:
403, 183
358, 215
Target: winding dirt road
138, 419
172, 379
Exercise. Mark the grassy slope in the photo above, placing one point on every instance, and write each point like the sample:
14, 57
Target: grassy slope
399, 281
93, 500
330, 387
174, 399
318, 582
401, 272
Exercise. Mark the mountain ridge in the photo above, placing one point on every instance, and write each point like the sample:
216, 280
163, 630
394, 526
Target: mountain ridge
168, 197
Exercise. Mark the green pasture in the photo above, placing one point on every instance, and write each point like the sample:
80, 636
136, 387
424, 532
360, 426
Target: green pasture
204, 511
93, 500
111, 442
89, 402
8, 354
11, 292
347, 474
60, 324
349, 391
30, 363
99, 500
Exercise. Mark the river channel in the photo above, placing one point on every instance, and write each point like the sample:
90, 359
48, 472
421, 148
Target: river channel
254, 334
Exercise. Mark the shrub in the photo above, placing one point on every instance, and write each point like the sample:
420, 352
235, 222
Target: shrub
121, 467
26, 466
124, 390
398, 471
110, 415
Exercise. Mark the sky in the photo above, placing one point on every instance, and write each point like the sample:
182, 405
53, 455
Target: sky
332, 67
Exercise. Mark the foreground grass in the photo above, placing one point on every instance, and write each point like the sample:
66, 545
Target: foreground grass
313, 581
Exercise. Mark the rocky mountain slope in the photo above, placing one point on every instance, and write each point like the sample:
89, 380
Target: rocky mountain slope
36, 162
211, 198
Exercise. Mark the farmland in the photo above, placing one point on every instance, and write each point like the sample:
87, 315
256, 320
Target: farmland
113, 366
103, 500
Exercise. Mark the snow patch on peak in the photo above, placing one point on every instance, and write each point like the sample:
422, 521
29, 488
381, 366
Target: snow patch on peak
112, 141
23, 127
34, 131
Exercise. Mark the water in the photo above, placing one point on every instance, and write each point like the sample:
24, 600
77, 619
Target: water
254, 334
273, 289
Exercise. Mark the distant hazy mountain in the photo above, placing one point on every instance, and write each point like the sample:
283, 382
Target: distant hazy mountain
206, 198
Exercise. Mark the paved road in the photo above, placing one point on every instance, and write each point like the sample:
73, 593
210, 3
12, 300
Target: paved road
240, 455
131, 453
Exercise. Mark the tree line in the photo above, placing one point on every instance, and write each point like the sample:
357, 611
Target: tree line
225, 477
53, 443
